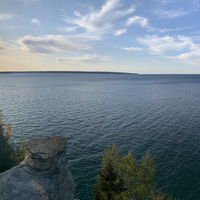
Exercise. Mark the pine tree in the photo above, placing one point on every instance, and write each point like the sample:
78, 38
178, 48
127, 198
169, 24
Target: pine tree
109, 183
138, 177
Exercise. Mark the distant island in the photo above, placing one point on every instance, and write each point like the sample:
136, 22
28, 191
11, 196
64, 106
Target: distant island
5, 72
77, 72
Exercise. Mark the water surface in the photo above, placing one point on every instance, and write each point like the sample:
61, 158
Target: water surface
160, 113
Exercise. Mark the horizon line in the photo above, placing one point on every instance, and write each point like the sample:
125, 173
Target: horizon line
105, 72
91, 72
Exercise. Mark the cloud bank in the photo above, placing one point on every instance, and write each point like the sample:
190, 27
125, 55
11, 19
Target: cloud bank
160, 45
54, 43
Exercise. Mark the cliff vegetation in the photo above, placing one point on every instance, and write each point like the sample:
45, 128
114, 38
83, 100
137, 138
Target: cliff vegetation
10, 155
123, 178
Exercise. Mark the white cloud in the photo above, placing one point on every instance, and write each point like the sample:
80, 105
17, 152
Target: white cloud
35, 21
54, 43
86, 59
101, 21
171, 30
171, 13
133, 49
78, 14
192, 57
6, 16
120, 31
142, 21
67, 29
159, 45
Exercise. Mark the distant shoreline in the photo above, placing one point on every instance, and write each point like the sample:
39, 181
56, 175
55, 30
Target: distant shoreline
69, 72
6, 72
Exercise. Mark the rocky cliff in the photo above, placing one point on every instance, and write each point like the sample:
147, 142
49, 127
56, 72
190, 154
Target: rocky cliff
42, 175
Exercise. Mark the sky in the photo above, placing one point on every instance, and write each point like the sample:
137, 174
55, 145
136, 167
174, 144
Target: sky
136, 36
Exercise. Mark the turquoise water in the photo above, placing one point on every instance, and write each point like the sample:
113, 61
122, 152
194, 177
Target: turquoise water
160, 113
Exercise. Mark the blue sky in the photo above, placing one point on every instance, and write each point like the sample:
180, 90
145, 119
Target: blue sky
143, 36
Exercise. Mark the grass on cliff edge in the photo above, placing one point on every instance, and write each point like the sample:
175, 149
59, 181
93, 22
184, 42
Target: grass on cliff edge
10, 155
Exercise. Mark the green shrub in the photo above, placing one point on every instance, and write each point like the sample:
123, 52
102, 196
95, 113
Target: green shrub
9, 155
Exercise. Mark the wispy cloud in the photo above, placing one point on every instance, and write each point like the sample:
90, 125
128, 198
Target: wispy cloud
78, 14
196, 32
196, 3
54, 43
2, 47
171, 13
35, 21
132, 49
120, 31
101, 20
142, 21
85, 59
191, 57
166, 1
67, 28
6, 16
159, 45
176, 29
25, 2
7, 27
5, 46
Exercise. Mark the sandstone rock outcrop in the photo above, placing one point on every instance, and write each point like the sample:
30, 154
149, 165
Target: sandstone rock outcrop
42, 175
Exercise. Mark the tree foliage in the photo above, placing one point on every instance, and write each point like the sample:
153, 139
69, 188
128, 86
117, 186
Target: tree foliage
109, 184
9, 155
138, 177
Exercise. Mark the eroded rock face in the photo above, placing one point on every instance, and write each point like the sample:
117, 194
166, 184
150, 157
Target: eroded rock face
42, 175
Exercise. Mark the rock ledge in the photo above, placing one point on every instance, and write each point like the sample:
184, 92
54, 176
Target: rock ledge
42, 175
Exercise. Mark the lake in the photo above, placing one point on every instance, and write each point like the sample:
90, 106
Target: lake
160, 113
